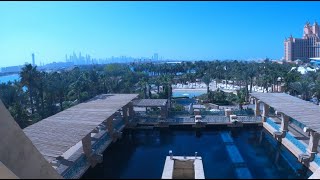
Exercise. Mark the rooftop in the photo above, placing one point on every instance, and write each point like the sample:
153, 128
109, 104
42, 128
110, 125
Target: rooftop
150, 102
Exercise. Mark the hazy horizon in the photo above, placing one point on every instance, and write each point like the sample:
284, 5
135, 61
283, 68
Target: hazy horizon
174, 30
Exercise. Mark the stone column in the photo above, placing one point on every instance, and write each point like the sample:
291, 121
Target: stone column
265, 112
125, 114
313, 144
257, 108
284, 127
87, 149
251, 100
284, 124
227, 112
92, 157
110, 124
131, 111
163, 112
86, 145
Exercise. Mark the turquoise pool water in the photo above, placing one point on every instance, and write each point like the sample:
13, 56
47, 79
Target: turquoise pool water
5, 79
188, 93
226, 153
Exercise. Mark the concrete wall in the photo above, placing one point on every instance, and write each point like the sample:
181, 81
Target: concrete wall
5, 173
18, 153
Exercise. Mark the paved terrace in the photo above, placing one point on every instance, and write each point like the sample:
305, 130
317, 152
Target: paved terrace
304, 112
55, 135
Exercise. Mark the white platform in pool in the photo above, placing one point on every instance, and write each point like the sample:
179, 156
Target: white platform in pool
183, 169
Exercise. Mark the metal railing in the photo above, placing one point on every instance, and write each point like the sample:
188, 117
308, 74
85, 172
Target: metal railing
190, 119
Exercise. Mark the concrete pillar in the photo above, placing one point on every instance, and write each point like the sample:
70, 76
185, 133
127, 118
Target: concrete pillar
131, 111
86, 145
233, 118
278, 135
196, 111
251, 100
110, 125
93, 158
265, 112
227, 112
284, 124
257, 107
125, 114
164, 112
87, 149
313, 144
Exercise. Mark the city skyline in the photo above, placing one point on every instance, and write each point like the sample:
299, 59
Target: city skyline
175, 30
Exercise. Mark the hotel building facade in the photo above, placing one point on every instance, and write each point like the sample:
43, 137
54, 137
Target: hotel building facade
303, 48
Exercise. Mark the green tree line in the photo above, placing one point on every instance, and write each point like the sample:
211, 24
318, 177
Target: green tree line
39, 94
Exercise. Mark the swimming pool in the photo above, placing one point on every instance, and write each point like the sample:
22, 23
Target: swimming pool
188, 93
5, 79
142, 153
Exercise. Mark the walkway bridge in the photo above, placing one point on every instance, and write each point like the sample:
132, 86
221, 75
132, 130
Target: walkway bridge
292, 110
70, 141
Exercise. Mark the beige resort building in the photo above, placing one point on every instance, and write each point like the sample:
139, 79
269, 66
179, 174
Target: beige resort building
303, 48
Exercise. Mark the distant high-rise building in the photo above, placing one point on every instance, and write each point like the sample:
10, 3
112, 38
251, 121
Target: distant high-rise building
303, 48
156, 57
33, 61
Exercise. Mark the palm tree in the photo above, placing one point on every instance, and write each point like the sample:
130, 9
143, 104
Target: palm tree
316, 89
60, 86
28, 78
241, 96
206, 79
143, 86
289, 78
157, 82
303, 87
252, 73
41, 86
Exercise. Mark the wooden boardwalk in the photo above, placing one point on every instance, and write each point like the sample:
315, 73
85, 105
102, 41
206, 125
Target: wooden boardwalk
54, 135
305, 112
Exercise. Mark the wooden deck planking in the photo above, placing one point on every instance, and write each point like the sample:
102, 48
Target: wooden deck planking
298, 109
60, 130
52, 137
56, 134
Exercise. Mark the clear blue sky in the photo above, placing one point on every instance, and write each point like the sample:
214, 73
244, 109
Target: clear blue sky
187, 30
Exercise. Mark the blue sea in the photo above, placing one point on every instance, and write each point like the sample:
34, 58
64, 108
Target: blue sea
5, 79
